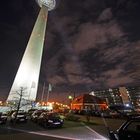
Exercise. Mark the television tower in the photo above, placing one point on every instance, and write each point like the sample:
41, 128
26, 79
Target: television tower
27, 76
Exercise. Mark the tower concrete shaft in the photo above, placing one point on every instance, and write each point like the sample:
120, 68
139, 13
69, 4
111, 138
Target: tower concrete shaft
27, 75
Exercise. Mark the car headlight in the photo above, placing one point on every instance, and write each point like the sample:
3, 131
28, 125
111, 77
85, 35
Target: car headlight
50, 121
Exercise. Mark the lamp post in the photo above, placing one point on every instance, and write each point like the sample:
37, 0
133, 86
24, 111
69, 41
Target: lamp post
70, 100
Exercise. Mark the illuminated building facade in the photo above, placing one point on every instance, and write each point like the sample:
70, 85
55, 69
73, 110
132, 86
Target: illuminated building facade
28, 73
88, 102
134, 96
112, 96
122, 95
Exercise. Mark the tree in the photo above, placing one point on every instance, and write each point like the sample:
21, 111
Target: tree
19, 100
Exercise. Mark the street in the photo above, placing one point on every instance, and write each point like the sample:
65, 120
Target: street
27, 131
70, 130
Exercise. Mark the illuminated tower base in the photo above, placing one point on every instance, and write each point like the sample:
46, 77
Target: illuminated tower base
28, 73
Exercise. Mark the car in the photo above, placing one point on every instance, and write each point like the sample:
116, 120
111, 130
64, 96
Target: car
96, 113
84, 112
18, 117
3, 117
31, 111
114, 114
36, 114
105, 113
129, 130
124, 111
50, 120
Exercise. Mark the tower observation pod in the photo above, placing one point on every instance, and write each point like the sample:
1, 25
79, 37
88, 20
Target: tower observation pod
25, 84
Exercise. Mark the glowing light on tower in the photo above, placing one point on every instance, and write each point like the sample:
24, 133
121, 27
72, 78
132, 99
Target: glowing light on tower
28, 73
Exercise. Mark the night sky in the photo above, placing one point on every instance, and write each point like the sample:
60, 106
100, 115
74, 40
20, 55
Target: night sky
89, 44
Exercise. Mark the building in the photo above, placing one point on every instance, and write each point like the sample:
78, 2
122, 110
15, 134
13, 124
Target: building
88, 102
134, 95
112, 96
123, 95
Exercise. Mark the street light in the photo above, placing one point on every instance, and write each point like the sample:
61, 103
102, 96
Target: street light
70, 97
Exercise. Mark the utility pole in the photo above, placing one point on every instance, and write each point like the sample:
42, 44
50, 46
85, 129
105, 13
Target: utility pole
48, 92
43, 92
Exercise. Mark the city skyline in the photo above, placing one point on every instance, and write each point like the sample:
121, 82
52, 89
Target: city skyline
92, 44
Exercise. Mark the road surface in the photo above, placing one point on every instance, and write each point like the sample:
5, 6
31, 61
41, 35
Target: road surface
31, 131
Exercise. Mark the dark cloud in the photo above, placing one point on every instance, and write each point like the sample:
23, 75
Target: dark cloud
97, 38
